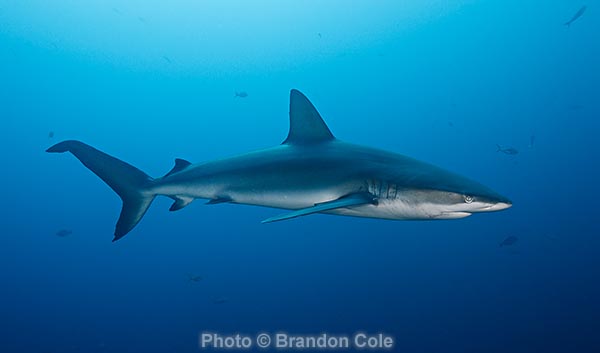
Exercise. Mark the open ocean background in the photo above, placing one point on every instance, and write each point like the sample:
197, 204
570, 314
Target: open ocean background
440, 81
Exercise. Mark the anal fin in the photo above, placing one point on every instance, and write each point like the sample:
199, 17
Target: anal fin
180, 202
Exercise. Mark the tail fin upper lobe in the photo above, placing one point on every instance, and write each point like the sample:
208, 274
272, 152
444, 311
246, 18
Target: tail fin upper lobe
130, 183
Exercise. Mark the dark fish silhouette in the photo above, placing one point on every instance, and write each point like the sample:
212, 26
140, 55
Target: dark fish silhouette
220, 300
511, 240
508, 150
531, 141
51, 134
64, 233
551, 237
241, 94
194, 278
167, 59
575, 106
576, 16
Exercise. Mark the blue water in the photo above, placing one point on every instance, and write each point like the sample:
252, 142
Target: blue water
443, 82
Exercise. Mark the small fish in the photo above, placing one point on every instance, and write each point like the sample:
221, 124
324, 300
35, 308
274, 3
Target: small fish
575, 107
531, 141
167, 59
451, 124
319, 34
51, 134
241, 94
576, 16
141, 19
64, 233
508, 150
220, 300
194, 278
551, 237
511, 240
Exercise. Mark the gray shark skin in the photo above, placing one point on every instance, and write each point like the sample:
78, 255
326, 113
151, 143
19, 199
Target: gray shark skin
310, 172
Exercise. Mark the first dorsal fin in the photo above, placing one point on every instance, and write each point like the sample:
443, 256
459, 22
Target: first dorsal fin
306, 125
180, 164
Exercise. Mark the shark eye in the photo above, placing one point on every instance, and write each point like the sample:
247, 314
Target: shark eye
468, 198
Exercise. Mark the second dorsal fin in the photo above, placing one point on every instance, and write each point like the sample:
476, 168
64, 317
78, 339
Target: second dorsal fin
306, 124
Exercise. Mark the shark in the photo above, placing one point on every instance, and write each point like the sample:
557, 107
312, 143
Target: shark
310, 172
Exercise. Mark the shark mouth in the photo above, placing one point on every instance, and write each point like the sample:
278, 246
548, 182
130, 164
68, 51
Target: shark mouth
452, 215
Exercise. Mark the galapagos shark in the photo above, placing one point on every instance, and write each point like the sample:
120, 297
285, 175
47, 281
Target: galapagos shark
310, 172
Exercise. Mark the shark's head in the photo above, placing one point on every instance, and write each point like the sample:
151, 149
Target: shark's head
443, 204
450, 196
422, 191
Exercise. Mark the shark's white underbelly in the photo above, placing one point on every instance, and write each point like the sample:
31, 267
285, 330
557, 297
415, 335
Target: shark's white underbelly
390, 207
292, 200
278, 198
398, 209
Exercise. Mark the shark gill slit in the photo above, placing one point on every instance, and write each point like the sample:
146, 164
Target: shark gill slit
382, 189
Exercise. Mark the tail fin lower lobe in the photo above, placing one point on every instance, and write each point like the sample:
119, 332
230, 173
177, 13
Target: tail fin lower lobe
130, 183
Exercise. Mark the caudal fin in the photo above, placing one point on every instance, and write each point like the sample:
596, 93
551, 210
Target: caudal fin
130, 183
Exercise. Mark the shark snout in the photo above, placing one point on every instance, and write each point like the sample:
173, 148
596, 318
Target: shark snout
492, 205
502, 205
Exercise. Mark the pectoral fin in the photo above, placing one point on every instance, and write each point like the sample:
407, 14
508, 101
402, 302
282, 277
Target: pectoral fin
356, 199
